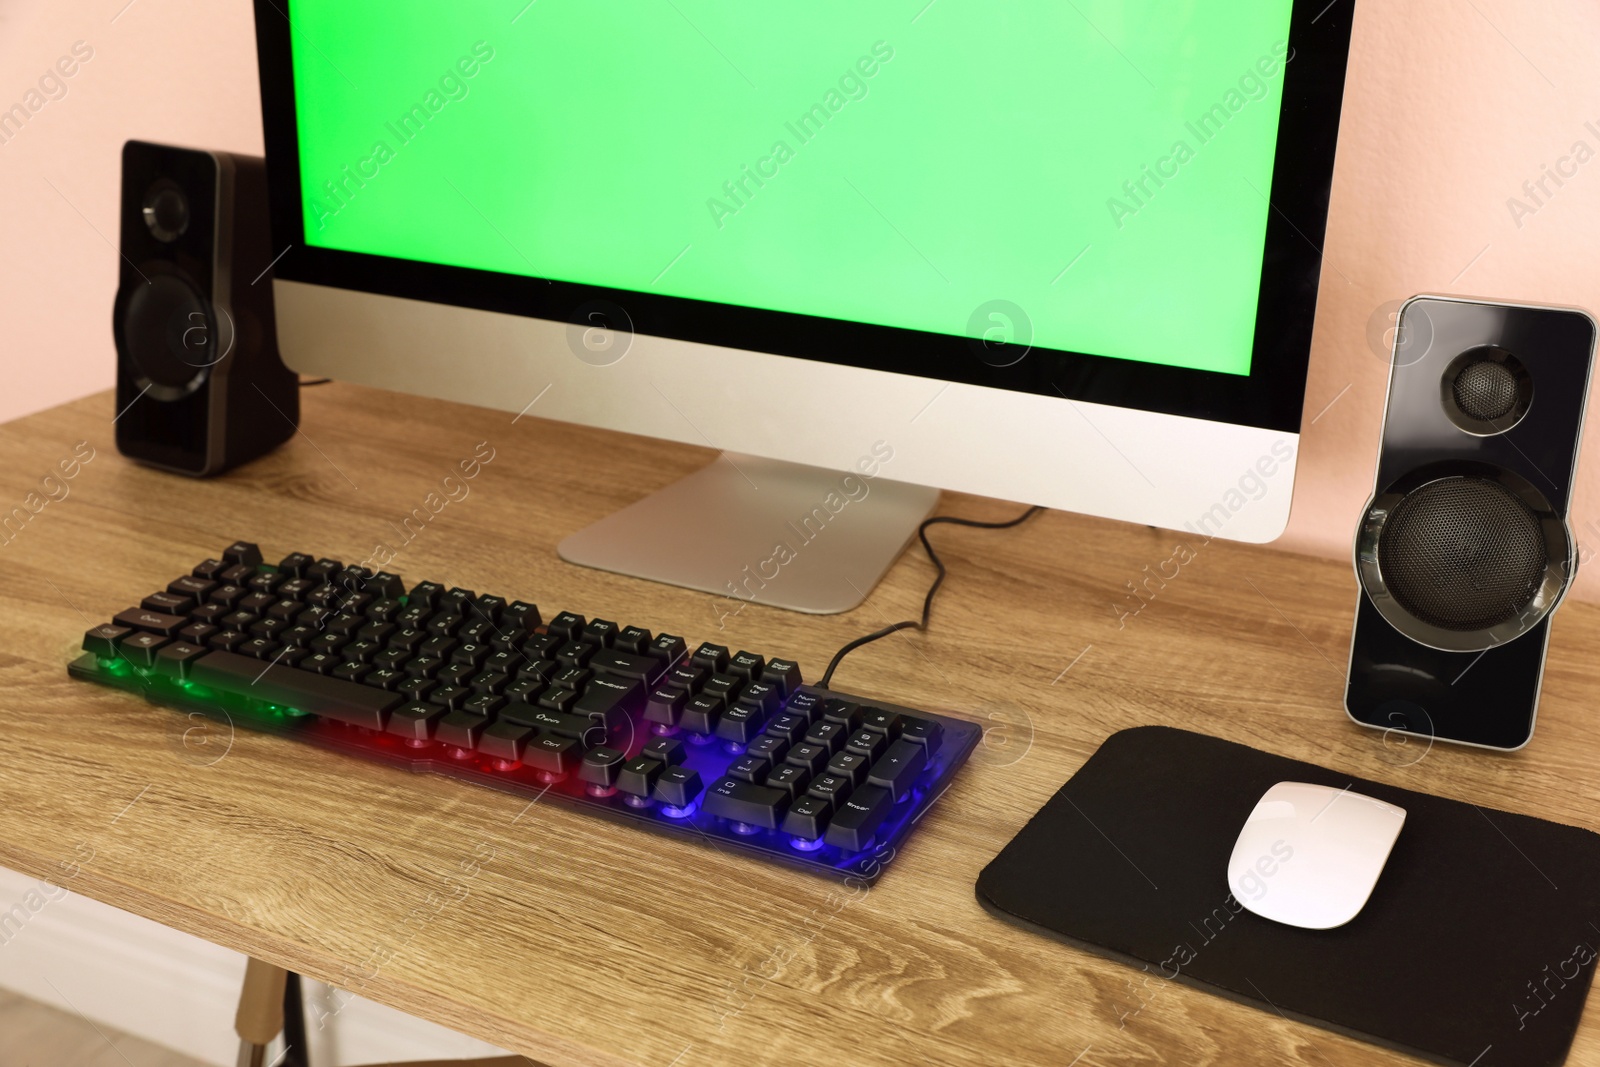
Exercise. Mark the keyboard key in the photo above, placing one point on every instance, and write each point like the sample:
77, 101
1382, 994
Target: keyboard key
924, 732
522, 691
747, 665
600, 632
867, 743
504, 740
415, 688
749, 769
461, 729
664, 705
726, 686
451, 696
415, 721
191, 587
844, 712
139, 648
557, 698
244, 552
762, 695
634, 639
789, 778
805, 704
678, 787
812, 757
851, 765
323, 570
258, 648
791, 728
490, 682
522, 614
740, 724
425, 593
351, 670
102, 640
295, 564
783, 674
831, 787
540, 671
769, 747
700, 714
482, 704
227, 640
553, 755
601, 766
320, 662
807, 817
604, 699
156, 622
687, 678
898, 769
668, 648
829, 735
884, 722
559, 723
575, 653
713, 658
199, 633
666, 750
626, 665
858, 818
386, 585
209, 569
638, 776
746, 802
329, 697
567, 625
174, 659
171, 603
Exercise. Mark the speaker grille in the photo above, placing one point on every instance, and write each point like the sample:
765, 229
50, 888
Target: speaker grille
1462, 553
1485, 390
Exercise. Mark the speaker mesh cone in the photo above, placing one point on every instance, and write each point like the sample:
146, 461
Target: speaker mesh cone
1485, 390
1462, 553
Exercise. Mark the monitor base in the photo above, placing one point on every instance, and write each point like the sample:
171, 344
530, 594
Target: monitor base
761, 531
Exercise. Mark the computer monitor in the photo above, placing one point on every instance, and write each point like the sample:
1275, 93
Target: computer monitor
1057, 253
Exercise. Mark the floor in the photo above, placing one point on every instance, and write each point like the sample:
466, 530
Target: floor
37, 1035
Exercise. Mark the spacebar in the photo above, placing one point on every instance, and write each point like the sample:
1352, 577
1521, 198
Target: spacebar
333, 698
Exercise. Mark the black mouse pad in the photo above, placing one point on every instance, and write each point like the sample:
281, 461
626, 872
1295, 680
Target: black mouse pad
1475, 948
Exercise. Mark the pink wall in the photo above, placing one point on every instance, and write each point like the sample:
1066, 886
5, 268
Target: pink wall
1452, 105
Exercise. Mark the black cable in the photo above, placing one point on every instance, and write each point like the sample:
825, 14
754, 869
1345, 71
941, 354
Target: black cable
314, 381
927, 603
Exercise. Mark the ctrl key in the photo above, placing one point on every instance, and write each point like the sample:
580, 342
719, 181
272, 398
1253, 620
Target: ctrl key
858, 818
102, 640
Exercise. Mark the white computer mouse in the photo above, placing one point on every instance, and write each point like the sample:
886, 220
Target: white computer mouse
1310, 855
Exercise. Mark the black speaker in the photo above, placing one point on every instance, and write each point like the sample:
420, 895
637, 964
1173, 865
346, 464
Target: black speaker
200, 387
1465, 549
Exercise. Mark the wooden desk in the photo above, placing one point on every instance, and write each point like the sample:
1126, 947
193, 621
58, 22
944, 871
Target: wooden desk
578, 942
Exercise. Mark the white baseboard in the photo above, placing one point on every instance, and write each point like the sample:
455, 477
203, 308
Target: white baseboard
138, 976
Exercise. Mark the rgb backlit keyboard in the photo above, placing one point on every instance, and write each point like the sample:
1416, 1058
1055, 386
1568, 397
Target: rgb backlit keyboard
729, 747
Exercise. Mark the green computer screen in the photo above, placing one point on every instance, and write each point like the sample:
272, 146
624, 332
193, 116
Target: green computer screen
1103, 166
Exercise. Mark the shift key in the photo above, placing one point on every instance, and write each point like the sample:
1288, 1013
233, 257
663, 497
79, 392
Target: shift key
154, 621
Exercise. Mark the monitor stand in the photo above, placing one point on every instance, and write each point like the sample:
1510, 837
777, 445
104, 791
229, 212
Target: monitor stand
761, 531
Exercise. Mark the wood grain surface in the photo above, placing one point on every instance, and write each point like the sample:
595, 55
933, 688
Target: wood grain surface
576, 941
